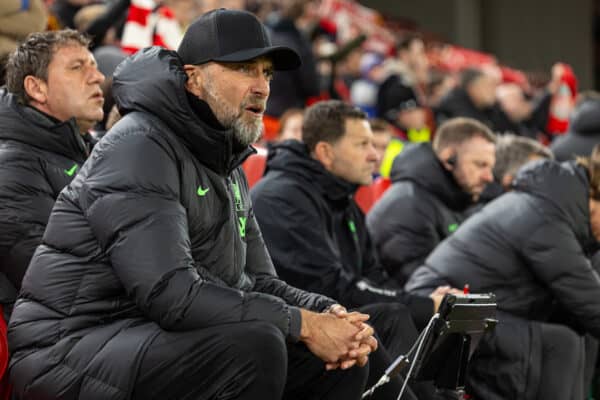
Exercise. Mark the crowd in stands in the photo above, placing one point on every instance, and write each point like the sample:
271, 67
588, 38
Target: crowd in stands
379, 171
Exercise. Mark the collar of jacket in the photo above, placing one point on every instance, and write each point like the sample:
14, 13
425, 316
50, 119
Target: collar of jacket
419, 163
292, 157
33, 127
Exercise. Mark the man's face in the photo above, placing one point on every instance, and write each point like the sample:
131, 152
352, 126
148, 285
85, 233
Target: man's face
482, 91
595, 218
236, 93
353, 154
412, 118
292, 128
73, 86
475, 159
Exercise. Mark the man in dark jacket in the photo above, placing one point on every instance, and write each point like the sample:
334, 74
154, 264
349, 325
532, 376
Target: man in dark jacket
475, 98
153, 280
584, 129
315, 231
432, 185
529, 247
53, 91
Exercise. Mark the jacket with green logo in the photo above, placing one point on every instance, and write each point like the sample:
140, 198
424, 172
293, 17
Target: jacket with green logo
38, 158
156, 233
423, 206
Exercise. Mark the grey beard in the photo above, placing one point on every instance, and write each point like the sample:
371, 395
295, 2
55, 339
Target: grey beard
246, 134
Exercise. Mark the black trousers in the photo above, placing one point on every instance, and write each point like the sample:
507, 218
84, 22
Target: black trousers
249, 360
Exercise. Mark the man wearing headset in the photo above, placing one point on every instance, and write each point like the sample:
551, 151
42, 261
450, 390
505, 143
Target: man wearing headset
432, 185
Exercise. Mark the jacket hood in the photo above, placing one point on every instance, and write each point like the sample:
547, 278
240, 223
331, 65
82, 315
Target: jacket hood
153, 81
419, 164
292, 157
586, 118
27, 125
565, 186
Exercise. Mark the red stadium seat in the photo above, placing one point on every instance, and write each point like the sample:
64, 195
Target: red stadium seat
255, 165
366, 196
4, 355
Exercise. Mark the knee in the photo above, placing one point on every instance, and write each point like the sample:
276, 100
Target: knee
261, 344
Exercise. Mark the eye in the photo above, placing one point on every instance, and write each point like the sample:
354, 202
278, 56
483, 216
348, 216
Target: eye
268, 73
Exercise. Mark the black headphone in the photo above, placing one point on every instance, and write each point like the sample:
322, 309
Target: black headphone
451, 160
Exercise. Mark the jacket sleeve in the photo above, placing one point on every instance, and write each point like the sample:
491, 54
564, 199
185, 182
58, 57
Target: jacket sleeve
131, 200
26, 205
557, 259
260, 265
296, 236
404, 234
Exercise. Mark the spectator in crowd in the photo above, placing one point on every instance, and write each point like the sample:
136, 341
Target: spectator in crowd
584, 129
18, 19
438, 85
292, 89
363, 92
432, 186
398, 104
316, 233
531, 248
382, 136
290, 125
53, 88
153, 277
65, 10
475, 98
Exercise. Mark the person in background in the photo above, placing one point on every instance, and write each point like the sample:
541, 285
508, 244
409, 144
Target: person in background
290, 125
433, 184
52, 96
382, 136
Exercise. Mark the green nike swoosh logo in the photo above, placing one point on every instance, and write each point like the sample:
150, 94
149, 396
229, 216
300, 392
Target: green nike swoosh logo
202, 192
71, 171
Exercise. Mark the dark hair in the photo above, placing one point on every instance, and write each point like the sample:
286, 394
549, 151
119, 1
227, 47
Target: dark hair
458, 130
33, 56
326, 121
512, 152
592, 164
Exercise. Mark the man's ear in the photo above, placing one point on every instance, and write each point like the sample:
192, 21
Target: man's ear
36, 89
448, 158
194, 81
324, 154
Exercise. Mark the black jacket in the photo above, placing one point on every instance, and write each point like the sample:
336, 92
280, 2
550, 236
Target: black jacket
583, 133
457, 103
316, 233
423, 206
156, 233
292, 88
38, 158
527, 247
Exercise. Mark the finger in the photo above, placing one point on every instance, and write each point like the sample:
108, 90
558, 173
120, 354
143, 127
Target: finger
362, 361
338, 310
366, 331
348, 364
354, 317
331, 366
363, 351
372, 343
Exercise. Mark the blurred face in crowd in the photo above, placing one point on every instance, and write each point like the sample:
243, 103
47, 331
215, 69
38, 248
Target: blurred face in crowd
413, 118
482, 90
352, 157
72, 88
416, 59
235, 92
513, 102
292, 128
381, 139
185, 11
474, 160
595, 218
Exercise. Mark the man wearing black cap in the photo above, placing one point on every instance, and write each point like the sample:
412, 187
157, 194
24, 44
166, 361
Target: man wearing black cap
153, 280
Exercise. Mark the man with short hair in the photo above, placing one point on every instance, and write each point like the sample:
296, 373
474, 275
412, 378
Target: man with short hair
432, 185
52, 95
316, 233
153, 280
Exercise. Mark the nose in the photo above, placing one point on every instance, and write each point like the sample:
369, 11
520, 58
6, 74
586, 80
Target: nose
96, 76
487, 175
372, 155
261, 85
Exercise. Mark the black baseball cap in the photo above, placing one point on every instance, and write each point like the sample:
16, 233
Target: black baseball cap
232, 36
